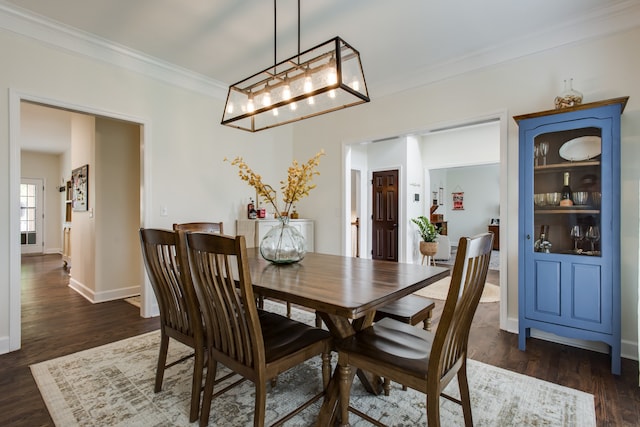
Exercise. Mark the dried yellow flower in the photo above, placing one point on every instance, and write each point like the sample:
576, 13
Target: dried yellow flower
293, 189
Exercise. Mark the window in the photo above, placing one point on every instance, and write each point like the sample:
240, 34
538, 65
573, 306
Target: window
28, 207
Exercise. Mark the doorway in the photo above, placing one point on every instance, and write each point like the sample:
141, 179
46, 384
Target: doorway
415, 194
15, 119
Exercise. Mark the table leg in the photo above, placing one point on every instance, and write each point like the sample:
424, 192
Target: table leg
341, 328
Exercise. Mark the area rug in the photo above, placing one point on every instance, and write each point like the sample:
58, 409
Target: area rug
439, 289
112, 385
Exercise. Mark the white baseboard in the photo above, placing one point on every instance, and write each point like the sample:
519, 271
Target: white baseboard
97, 297
4, 345
628, 349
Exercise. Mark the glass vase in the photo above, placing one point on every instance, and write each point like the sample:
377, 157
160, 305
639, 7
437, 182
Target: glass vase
283, 244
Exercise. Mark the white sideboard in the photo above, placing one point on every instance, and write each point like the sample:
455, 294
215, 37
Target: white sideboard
254, 230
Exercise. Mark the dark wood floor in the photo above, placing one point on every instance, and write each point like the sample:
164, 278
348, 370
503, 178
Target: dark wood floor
57, 321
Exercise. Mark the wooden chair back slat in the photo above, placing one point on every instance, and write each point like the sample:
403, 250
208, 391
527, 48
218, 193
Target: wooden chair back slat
200, 227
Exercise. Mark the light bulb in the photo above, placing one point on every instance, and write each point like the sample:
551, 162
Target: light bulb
332, 93
275, 112
293, 106
355, 85
311, 100
286, 92
266, 99
230, 108
308, 85
250, 106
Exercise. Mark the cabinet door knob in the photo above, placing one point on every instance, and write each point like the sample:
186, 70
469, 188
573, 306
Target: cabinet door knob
528, 236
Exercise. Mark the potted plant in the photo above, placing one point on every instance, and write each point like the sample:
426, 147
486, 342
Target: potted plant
428, 233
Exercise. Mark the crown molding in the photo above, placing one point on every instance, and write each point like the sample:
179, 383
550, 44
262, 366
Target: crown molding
615, 19
73, 40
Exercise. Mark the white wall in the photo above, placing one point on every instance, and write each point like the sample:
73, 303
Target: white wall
414, 185
119, 264
601, 69
481, 188
462, 146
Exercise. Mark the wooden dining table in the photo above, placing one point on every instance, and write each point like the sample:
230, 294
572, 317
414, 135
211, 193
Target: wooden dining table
345, 292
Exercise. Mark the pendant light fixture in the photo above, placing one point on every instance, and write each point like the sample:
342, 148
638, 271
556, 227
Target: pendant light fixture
325, 78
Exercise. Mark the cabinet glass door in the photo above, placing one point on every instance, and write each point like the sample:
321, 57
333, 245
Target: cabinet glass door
567, 191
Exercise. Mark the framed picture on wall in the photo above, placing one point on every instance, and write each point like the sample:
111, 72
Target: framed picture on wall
80, 185
458, 201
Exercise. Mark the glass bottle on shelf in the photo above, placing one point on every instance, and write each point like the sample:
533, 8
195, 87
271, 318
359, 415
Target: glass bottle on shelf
566, 195
542, 244
251, 210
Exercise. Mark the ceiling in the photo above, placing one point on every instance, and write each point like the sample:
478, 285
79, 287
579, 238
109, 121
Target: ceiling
403, 43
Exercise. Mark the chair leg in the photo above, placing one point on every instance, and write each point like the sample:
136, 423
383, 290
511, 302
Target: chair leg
386, 386
433, 409
208, 392
196, 384
260, 404
326, 369
345, 389
162, 361
318, 321
465, 397
426, 323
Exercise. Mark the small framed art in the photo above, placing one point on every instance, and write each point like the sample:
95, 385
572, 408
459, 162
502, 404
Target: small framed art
80, 185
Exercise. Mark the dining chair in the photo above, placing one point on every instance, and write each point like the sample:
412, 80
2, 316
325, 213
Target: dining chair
412, 310
179, 309
254, 343
422, 360
200, 227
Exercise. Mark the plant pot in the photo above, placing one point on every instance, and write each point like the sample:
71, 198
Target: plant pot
428, 248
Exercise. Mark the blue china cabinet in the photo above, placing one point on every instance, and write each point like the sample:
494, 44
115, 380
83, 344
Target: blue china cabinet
569, 224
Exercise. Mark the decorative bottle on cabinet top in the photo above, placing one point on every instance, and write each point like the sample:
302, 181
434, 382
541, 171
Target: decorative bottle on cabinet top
568, 98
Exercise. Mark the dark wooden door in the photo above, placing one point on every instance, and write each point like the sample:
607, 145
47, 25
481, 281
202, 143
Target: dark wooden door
384, 241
